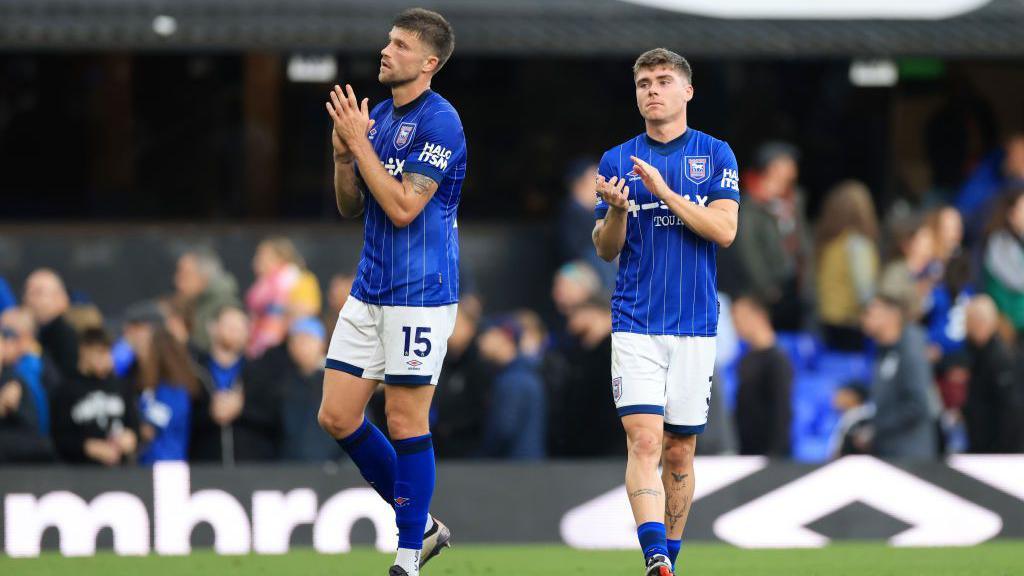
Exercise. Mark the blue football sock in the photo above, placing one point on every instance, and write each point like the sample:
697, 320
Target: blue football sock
375, 458
652, 539
414, 486
673, 551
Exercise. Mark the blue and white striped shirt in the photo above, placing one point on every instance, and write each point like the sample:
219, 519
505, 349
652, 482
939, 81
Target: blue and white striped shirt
417, 265
667, 281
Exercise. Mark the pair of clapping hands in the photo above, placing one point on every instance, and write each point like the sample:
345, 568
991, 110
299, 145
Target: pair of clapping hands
615, 192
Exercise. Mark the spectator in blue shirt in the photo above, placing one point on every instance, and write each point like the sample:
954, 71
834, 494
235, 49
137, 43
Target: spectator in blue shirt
167, 384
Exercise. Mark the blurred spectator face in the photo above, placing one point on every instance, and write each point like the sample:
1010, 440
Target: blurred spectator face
919, 250
231, 330
95, 361
982, 320
497, 346
307, 350
266, 260
139, 336
338, 291
584, 188
591, 325
18, 332
782, 173
949, 230
531, 343
189, 280
750, 319
174, 321
1016, 217
882, 320
662, 93
45, 296
846, 399
575, 284
1013, 164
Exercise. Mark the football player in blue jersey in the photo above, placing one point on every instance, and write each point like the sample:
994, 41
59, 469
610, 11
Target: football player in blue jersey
400, 167
667, 199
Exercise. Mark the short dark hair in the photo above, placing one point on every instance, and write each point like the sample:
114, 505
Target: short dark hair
430, 27
663, 57
95, 337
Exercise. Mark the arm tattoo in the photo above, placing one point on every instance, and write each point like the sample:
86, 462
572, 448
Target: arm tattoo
420, 183
645, 492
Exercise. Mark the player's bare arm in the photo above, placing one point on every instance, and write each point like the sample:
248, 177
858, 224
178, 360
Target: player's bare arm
610, 232
401, 201
347, 194
715, 222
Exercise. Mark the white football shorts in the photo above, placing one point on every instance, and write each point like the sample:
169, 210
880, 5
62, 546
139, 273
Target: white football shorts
402, 345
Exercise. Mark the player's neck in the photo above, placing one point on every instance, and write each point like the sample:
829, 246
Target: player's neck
405, 93
668, 131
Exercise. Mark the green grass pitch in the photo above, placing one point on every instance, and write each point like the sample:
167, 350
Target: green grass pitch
1004, 558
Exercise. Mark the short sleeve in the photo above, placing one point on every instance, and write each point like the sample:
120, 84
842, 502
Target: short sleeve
725, 183
438, 144
606, 168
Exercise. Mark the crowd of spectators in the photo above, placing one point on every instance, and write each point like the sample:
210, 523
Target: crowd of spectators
932, 299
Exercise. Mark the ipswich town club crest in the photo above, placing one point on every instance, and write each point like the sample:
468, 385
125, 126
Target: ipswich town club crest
617, 388
697, 169
404, 134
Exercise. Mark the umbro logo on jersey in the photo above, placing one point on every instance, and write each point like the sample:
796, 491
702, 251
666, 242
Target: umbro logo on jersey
697, 169
414, 363
404, 134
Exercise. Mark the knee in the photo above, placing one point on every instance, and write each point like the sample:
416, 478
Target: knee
403, 423
645, 445
337, 424
679, 452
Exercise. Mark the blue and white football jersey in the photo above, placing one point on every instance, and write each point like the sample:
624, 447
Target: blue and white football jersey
667, 281
417, 265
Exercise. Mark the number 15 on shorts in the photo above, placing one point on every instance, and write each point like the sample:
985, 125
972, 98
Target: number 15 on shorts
416, 340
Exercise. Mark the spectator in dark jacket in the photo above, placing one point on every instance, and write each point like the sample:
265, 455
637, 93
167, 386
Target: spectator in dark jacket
992, 410
457, 413
301, 390
906, 404
236, 413
515, 424
763, 406
47, 300
576, 220
94, 416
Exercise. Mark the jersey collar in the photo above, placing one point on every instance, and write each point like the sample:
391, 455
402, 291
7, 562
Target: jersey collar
399, 111
674, 145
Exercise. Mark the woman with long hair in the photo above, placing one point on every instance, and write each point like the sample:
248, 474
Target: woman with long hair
166, 383
847, 263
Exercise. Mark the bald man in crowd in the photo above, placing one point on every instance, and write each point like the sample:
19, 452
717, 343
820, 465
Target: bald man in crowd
993, 394
47, 300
